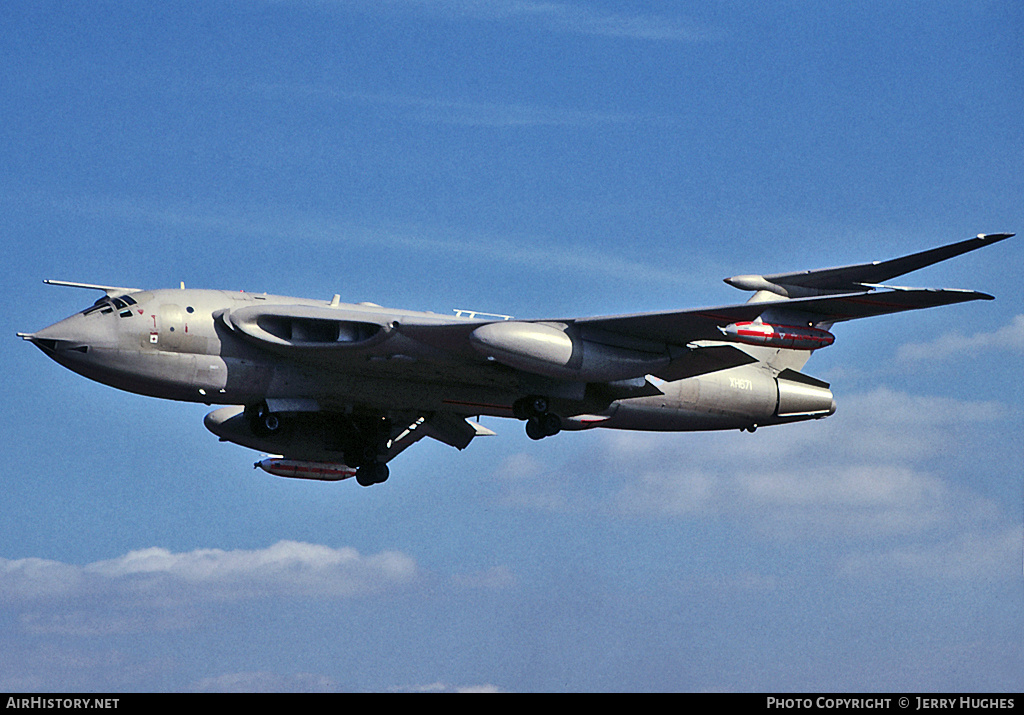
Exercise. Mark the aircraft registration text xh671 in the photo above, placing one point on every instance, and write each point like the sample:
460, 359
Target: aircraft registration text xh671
336, 390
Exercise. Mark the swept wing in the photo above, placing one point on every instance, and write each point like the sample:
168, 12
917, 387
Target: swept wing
849, 279
831, 295
681, 327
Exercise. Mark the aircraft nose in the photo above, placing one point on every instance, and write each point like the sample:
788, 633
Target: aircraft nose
63, 339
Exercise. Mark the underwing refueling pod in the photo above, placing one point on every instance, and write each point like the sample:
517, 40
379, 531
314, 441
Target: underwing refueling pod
335, 390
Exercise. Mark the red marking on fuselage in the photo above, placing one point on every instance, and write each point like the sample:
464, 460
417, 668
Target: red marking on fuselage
477, 404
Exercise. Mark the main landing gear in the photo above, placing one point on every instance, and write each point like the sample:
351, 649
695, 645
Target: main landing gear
373, 473
262, 421
364, 446
540, 423
362, 441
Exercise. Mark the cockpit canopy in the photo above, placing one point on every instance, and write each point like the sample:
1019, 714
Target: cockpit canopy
123, 304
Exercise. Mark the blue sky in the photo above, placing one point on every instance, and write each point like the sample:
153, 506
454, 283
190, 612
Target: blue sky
540, 159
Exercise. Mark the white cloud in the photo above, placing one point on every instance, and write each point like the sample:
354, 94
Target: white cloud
878, 480
967, 556
864, 471
155, 589
286, 568
440, 687
1010, 337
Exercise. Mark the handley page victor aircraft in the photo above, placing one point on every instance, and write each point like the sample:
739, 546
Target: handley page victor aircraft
338, 390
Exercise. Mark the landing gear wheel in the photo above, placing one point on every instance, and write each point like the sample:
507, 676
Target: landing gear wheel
370, 474
519, 410
539, 422
532, 406
262, 421
543, 426
271, 422
552, 424
538, 405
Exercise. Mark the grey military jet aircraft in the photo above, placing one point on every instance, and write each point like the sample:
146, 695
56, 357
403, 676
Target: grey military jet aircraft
339, 390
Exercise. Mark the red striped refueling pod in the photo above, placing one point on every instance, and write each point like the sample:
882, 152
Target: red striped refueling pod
299, 469
793, 337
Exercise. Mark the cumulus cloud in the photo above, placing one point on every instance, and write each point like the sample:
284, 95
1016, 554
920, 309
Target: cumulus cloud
156, 589
1010, 337
286, 568
879, 478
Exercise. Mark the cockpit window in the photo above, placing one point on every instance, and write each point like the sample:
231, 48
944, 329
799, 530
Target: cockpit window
106, 304
103, 305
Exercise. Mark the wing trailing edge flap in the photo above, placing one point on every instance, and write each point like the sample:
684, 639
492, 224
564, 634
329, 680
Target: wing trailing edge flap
702, 359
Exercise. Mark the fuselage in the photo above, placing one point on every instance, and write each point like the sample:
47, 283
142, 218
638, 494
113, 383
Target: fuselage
338, 389
185, 345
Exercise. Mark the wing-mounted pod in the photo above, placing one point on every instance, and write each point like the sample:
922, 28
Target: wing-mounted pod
298, 326
774, 335
302, 469
564, 352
